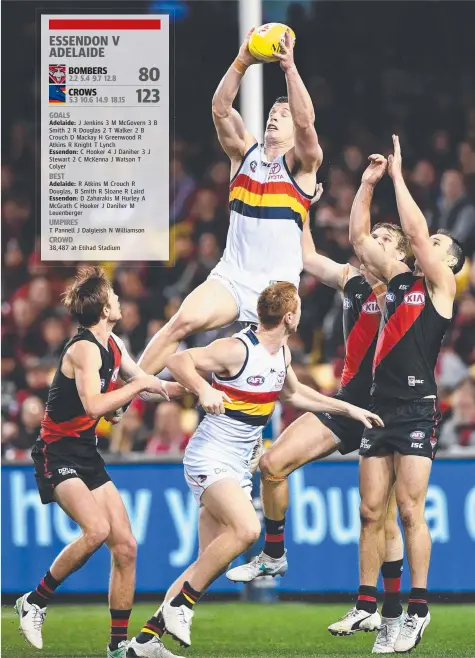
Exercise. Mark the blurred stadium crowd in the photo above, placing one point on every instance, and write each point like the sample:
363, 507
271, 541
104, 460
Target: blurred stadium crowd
356, 112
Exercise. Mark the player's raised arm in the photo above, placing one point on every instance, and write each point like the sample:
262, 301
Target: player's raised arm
232, 133
86, 362
368, 250
223, 357
327, 271
414, 225
307, 150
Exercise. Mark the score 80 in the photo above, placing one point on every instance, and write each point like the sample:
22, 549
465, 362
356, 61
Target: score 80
148, 95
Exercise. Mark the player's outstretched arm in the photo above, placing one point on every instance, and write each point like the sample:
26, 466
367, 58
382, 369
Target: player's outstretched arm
129, 370
304, 397
307, 149
224, 357
370, 253
415, 227
232, 133
85, 360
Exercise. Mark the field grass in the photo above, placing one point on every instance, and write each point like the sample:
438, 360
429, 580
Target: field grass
239, 630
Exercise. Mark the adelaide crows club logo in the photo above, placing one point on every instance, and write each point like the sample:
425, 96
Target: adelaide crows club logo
57, 79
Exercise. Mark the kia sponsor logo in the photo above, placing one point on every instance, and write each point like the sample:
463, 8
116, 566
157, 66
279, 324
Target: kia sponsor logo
370, 307
255, 380
415, 298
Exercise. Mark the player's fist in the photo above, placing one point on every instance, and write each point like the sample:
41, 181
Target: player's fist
114, 417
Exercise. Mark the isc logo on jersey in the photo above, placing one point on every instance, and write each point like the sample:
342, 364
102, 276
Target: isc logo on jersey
255, 380
415, 298
370, 307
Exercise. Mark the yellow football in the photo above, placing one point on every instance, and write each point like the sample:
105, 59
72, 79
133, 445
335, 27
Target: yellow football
265, 41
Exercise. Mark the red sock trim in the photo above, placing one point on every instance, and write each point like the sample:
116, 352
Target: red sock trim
153, 628
362, 597
44, 586
392, 585
417, 600
122, 623
274, 539
192, 596
42, 595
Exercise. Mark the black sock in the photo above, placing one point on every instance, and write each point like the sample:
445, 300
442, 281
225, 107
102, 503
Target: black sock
367, 599
45, 590
153, 628
392, 572
119, 627
274, 540
418, 602
188, 596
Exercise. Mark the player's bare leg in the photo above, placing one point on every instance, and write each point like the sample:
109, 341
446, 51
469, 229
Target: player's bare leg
376, 483
304, 441
123, 548
391, 571
209, 306
148, 643
412, 478
77, 501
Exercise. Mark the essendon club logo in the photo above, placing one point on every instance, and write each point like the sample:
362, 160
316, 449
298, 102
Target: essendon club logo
415, 298
57, 74
370, 307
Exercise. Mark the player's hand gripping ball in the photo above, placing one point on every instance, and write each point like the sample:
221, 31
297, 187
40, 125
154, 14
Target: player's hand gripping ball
265, 41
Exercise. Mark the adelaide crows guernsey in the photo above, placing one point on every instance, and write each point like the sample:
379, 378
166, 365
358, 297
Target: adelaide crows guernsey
267, 213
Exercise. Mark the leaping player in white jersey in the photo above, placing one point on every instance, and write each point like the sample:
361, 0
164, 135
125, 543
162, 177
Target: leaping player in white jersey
272, 186
250, 371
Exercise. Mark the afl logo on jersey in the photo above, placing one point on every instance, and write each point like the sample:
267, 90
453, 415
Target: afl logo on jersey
347, 303
390, 297
417, 435
370, 307
415, 298
255, 380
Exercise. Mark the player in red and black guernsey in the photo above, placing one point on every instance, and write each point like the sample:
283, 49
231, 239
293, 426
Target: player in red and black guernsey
314, 436
68, 468
419, 308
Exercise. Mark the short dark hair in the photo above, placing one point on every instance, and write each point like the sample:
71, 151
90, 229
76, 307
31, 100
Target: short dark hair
402, 240
455, 250
275, 301
86, 298
281, 99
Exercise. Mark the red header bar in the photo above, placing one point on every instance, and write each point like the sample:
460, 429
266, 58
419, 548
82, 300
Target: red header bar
104, 24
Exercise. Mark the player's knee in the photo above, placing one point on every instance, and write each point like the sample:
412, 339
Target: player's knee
270, 468
371, 513
248, 533
96, 534
182, 324
124, 553
411, 513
